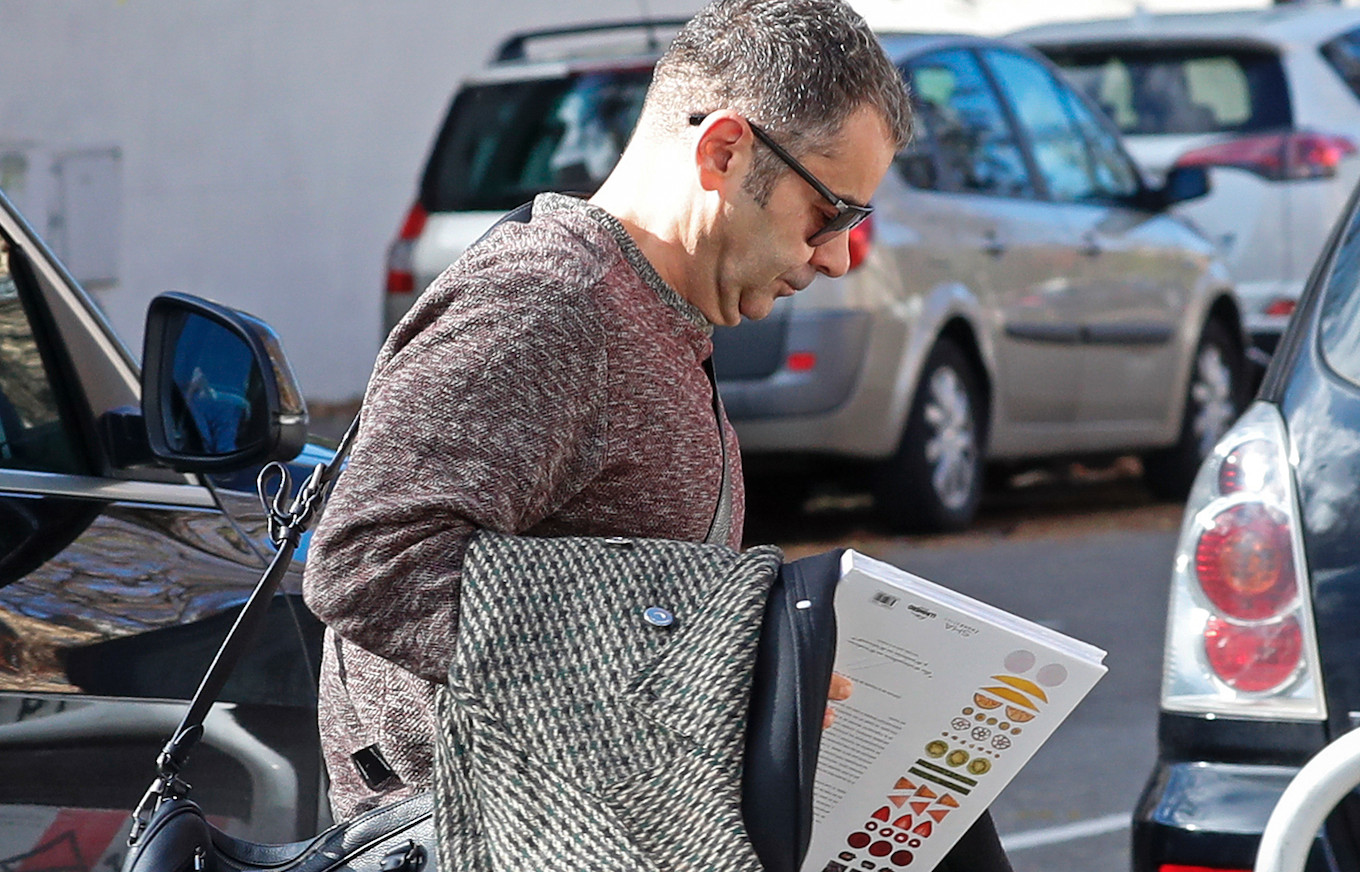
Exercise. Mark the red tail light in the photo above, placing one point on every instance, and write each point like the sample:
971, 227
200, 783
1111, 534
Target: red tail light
1276, 156
1254, 658
1282, 306
1249, 466
401, 278
1240, 638
1245, 564
861, 239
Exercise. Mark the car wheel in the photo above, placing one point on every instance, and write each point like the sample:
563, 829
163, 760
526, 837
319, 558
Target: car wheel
934, 481
1213, 400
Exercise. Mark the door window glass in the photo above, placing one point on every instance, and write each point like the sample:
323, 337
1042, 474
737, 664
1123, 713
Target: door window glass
1059, 150
961, 117
32, 433
1113, 173
1339, 323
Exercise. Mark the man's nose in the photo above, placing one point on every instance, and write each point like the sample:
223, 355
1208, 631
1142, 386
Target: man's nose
832, 257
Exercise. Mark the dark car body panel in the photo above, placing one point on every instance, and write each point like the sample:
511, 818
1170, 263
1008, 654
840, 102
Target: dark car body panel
118, 581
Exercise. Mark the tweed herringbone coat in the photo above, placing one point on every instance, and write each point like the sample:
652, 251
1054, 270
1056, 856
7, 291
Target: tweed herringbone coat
596, 707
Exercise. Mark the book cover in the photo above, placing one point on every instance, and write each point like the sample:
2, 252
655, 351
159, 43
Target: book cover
952, 696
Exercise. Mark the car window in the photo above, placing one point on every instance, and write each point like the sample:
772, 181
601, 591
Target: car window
504, 143
1343, 55
1339, 319
33, 435
1113, 174
1156, 91
961, 121
1059, 150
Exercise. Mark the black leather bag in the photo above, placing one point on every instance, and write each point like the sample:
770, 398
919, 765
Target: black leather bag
788, 697
395, 838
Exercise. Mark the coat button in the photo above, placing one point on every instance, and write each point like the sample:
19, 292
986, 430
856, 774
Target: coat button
658, 617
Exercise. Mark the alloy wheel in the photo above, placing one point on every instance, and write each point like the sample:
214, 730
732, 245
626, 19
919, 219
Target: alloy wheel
951, 448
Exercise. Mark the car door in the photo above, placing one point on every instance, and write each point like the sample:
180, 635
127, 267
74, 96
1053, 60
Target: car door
1135, 276
978, 216
116, 585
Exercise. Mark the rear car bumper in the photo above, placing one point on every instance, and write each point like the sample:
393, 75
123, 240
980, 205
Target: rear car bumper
1210, 814
813, 373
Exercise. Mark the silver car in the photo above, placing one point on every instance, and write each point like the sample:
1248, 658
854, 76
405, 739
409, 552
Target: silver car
1019, 293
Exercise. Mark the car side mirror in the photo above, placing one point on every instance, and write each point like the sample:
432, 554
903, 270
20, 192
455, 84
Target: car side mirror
1184, 183
217, 392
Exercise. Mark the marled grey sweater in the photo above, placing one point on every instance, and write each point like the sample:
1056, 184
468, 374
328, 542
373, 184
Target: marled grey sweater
549, 383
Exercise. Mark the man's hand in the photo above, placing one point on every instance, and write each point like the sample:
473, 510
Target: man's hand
840, 690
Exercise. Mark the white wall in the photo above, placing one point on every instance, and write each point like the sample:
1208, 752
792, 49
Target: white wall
268, 149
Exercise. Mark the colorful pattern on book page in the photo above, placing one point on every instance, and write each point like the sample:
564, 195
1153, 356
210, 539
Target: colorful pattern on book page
920, 800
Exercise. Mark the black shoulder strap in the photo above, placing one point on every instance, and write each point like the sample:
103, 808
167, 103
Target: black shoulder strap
287, 522
519, 214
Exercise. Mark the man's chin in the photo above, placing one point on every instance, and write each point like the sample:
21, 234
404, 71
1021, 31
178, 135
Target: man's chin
755, 309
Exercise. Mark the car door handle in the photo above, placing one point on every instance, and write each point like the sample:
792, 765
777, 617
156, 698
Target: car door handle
993, 245
1090, 245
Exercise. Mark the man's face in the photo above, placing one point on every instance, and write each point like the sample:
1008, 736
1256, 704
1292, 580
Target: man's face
768, 255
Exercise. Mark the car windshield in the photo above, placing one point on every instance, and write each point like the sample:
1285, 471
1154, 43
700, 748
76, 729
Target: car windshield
1181, 91
505, 142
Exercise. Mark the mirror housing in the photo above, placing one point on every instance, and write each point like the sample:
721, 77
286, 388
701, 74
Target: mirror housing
1184, 183
217, 391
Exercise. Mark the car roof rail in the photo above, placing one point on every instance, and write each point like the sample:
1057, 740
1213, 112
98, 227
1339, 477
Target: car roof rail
513, 48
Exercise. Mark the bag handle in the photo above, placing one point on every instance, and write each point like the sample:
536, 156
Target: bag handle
287, 523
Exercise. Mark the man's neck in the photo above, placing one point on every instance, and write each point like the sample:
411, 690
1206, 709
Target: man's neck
666, 237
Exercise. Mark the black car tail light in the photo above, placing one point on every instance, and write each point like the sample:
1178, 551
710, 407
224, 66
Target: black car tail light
1240, 637
1254, 658
1244, 562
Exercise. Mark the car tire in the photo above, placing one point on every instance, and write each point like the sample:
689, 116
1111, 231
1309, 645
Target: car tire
934, 481
1213, 400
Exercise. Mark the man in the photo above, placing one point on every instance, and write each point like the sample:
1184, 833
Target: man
552, 381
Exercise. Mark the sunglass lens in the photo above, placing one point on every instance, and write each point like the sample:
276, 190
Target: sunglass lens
843, 221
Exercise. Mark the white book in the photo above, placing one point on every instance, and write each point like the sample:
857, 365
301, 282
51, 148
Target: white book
951, 698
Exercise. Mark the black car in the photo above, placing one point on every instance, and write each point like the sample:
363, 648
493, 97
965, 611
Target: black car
1262, 661
118, 579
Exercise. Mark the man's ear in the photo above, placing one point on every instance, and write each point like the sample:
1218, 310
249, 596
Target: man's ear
723, 151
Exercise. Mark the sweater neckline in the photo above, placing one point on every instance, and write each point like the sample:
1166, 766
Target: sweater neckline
552, 202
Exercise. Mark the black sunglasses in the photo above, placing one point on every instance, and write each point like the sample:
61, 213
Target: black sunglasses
848, 215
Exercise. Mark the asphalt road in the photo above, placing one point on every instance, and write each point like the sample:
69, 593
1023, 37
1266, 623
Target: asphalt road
1088, 554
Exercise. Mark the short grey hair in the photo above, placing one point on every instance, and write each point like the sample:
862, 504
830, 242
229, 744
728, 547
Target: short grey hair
798, 68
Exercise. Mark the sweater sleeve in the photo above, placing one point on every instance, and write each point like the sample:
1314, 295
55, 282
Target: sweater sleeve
491, 416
